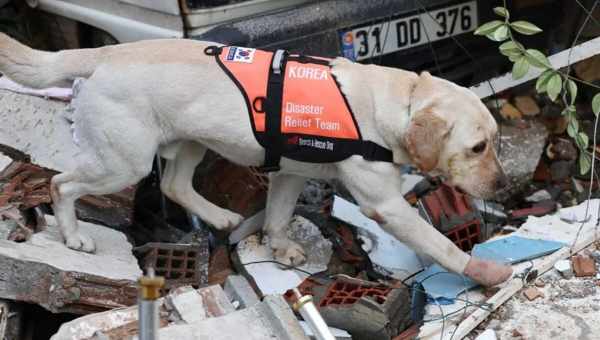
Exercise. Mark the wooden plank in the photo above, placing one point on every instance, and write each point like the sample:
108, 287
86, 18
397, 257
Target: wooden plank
580, 52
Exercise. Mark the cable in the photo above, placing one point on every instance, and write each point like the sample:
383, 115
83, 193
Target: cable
287, 266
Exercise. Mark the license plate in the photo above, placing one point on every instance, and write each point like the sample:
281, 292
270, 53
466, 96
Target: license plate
410, 31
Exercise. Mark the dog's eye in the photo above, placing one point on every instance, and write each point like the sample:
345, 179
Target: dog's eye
479, 147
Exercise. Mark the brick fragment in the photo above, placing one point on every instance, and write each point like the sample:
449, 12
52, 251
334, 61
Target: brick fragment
532, 293
583, 265
527, 105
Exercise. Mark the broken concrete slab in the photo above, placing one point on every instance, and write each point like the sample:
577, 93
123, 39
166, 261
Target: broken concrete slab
270, 319
122, 323
238, 289
196, 305
36, 129
69, 280
520, 153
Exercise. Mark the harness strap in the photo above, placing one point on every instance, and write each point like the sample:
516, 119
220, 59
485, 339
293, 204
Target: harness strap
273, 113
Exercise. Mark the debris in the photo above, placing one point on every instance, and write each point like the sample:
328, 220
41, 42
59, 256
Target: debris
564, 268
539, 209
219, 267
181, 305
69, 280
385, 250
488, 334
508, 112
366, 310
196, 305
452, 213
256, 258
527, 105
41, 135
583, 265
521, 153
270, 319
305, 306
250, 226
561, 149
442, 285
540, 283
238, 289
532, 293
339, 334
514, 249
233, 187
179, 264
539, 196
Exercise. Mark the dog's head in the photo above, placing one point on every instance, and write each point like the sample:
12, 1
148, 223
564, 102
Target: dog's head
451, 132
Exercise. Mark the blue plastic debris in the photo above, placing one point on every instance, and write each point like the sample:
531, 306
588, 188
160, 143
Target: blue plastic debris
515, 249
443, 287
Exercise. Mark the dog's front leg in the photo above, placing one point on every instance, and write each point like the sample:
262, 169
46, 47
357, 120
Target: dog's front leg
376, 187
284, 190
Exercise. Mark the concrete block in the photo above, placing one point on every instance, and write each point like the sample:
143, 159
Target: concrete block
238, 289
270, 319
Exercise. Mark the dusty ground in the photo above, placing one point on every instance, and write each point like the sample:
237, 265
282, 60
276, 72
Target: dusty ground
570, 309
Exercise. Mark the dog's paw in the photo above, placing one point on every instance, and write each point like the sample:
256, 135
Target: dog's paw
289, 253
81, 242
226, 220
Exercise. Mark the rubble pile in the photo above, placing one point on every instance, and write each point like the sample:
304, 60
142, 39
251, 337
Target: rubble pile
362, 282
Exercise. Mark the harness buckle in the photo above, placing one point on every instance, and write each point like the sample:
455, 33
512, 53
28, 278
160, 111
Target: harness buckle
277, 61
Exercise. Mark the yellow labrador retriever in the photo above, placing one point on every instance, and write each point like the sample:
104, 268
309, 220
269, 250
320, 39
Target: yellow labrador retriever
167, 96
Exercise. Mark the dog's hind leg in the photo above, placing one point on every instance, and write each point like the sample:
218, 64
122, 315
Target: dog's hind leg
177, 185
284, 190
67, 187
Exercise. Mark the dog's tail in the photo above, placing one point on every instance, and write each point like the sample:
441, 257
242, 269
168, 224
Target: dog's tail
40, 69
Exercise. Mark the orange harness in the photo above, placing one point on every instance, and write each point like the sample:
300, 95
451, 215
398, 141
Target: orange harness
296, 107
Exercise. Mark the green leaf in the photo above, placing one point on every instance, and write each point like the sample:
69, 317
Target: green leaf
596, 104
514, 58
585, 163
488, 27
525, 27
582, 140
510, 48
520, 68
537, 58
500, 34
573, 128
542, 82
554, 86
501, 11
572, 89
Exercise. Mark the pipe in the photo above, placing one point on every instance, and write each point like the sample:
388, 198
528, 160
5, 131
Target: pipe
147, 307
311, 315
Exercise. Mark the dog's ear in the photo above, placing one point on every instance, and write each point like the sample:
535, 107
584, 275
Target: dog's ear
425, 138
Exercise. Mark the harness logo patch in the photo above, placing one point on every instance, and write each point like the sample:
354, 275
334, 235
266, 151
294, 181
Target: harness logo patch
241, 54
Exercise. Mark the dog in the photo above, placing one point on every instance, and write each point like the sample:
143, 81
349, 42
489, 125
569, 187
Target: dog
168, 97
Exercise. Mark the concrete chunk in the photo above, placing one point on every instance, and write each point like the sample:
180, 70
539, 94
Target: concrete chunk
238, 289
44, 271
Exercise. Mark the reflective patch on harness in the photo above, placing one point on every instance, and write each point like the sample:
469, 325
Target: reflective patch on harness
241, 54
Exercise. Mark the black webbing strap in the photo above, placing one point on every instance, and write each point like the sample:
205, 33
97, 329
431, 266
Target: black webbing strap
273, 113
372, 151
